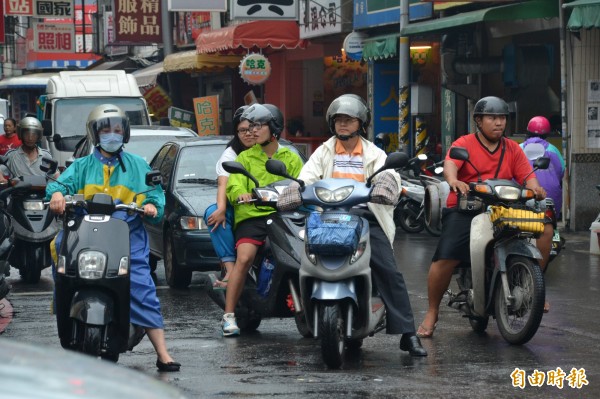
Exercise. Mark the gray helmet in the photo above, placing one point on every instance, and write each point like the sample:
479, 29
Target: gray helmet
237, 115
490, 106
266, 114
348, 104
107, 115
29, 123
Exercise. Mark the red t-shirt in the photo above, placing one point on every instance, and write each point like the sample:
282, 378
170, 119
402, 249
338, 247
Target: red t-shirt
515, 164
9, 143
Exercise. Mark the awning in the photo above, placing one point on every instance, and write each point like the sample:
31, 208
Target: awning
261, 34
585, 14
31, 81
526, 10
380, 47
147, 76
191, 61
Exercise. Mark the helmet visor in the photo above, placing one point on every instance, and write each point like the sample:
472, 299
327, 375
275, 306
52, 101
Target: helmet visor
113, 124
258, 113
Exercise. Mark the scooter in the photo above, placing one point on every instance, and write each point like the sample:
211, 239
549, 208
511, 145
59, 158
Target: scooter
339, 300
6, 232
504, 279
434, 199
271, 291
407, 212
92, 280
34, 227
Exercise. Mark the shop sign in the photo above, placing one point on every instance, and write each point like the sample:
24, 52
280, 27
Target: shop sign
370, 13
353, 45
138, 21
195, 5
158, 101
207, 115
40, 8
53, 38
109, 36
181, 117
320, 18
255, 69
264, 9
189, 25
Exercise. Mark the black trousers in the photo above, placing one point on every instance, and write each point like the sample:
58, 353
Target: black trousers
390, 283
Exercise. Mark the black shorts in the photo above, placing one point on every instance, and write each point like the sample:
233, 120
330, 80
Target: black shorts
456, 233
252, 231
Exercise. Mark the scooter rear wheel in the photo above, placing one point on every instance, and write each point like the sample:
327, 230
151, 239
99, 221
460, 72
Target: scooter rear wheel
479, 324
408, 220
519, 322
331, 332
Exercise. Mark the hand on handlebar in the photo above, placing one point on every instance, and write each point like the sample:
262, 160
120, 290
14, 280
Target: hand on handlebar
459, 186
150, 210
245, 198
540, 193
58, 203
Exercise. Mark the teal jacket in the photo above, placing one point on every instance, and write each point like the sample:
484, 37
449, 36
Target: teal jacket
254, 160
94, 174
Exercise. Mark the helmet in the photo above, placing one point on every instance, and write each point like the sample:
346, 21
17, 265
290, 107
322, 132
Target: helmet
490, 106
538, 125
348, 104
266, 114
107, 115
237, 115
29, 123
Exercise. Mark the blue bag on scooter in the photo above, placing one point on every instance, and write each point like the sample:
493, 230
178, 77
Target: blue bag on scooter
333, 234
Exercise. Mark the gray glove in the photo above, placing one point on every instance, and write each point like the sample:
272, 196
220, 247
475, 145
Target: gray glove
385, 189
290, 198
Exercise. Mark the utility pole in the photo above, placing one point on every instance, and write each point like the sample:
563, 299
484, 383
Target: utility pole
404, 83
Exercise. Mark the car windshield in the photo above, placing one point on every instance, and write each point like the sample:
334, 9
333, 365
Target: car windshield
74, 113
146, 146
197, 165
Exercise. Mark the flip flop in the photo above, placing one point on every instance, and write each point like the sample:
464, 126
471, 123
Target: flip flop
220, 285
427, 332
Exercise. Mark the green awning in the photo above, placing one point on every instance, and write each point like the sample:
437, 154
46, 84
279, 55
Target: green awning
379, 47
585, 14
526, 10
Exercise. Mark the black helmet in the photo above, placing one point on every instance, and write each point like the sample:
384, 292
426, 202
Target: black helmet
237, 115
266, 114
490, 106
348, 104
107, 115
29, 123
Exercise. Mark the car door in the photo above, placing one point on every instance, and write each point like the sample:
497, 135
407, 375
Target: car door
163, 162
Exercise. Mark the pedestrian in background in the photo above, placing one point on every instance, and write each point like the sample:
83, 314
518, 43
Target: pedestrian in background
10, 139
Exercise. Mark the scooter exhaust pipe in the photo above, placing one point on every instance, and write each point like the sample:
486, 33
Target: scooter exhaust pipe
295, 298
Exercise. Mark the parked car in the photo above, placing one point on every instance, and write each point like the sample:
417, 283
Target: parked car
41, 372
189, 179
145, 140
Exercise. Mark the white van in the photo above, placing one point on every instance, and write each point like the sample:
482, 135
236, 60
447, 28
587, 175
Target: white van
71, 95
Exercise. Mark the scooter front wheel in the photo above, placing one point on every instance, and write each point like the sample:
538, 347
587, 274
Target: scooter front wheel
92, 340
331, 331
518, 321
408, 220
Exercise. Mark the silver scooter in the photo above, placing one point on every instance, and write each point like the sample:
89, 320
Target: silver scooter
339, 300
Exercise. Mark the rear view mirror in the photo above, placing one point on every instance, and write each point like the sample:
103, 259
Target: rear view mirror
47, 125
459, 153
48, 166
153, 178
542, 163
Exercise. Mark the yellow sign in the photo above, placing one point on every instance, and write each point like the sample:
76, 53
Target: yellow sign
207, 115
158, 101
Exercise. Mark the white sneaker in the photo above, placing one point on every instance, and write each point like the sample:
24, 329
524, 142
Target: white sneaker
229, 325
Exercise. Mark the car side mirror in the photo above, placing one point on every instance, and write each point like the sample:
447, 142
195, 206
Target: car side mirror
49, 166
153, 178
47, 125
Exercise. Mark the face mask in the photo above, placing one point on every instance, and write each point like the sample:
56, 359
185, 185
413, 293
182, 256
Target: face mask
111, 142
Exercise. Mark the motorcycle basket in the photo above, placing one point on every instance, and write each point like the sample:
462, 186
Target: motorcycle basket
333, 234
524, 220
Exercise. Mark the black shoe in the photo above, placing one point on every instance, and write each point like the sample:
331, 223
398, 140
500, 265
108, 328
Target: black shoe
412, 344
168, 367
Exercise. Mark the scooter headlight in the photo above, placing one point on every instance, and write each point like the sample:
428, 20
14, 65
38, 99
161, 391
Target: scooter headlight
337, 195
508, 193
360, 250
33, 205
92, 264
192, 223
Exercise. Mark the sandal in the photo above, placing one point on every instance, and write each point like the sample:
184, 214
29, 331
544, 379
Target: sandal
220, 285
423, 332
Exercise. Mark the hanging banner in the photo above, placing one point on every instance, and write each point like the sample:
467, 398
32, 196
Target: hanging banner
158, 101
138, 21
320, 18
207, 115
255, 69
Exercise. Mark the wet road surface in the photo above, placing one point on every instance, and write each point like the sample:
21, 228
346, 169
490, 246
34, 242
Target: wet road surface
277, 362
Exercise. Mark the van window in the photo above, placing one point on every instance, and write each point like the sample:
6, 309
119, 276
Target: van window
70, 117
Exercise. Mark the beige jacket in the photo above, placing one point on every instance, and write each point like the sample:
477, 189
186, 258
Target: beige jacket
320, 166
